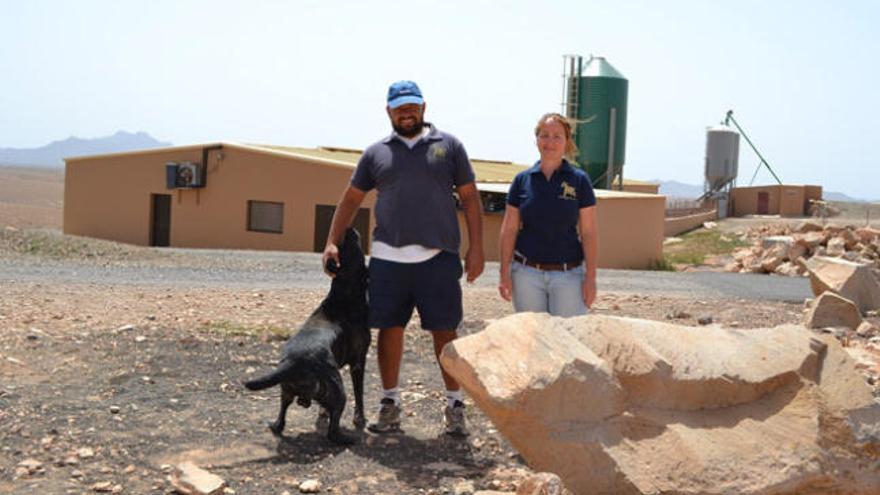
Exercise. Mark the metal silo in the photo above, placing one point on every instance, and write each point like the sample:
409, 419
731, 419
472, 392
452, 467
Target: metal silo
722, 164
722, 156
595, 97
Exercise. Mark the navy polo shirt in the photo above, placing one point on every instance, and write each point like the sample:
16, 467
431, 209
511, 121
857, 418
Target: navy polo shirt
414, 204
549, 212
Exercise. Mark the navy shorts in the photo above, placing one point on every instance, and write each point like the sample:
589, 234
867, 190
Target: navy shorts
431, 287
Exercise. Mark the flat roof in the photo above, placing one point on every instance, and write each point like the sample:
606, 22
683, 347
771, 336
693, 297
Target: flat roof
486, 171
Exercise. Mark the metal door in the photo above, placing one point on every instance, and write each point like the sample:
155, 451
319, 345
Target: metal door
160, 222
323, 217
763, 203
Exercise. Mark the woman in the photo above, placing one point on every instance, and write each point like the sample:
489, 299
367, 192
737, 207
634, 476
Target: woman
545, 265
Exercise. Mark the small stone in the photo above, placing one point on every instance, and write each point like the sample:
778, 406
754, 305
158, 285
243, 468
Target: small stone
151, 317
85, 453
125, 328
31, 465
705, 320
189, 478
128, 469
114, 409
140, 338
678, 315
310, 486
76, 473
102, 486
463, 487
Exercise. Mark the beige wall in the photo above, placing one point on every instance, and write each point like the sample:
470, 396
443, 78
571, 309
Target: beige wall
678, 225
109, 197
791, 201
642, 188
630, 230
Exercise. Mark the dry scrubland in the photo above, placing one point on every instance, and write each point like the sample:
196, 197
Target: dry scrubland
103, 386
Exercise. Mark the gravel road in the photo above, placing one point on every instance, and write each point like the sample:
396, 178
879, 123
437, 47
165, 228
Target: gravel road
282, 270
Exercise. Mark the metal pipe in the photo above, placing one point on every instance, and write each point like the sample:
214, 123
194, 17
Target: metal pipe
609, 170
729, 119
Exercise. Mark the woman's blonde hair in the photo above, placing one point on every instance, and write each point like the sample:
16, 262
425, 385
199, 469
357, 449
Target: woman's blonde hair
571, 149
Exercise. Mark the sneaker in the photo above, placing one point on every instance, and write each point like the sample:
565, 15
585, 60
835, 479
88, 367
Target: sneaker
389, 417
454, 417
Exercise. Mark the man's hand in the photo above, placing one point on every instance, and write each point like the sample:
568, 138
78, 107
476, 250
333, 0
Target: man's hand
473, 263
331, 252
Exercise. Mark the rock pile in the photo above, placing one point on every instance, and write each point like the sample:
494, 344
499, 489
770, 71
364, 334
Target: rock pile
846, 292
783, 250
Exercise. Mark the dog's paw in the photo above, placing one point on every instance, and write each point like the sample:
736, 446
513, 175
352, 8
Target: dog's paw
277, 429
360, 421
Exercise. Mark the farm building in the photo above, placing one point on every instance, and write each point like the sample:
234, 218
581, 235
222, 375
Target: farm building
779, 199
242, 196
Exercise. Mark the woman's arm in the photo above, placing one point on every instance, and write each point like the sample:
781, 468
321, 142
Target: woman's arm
590, 244
507, 241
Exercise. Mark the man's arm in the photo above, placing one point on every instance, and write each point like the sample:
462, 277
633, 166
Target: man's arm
473, 217
345, 210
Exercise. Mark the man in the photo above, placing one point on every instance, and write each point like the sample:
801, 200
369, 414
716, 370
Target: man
414, 261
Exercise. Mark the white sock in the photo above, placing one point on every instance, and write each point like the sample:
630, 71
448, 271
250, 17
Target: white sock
393, 394
452, 396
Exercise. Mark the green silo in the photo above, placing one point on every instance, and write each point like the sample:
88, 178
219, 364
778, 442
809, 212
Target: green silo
596, 97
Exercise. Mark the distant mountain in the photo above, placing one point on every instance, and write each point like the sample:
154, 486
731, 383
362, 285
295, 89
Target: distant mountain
837, 196
677, 189
54, 153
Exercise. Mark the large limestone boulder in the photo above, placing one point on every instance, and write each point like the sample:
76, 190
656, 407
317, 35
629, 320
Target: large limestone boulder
832, 310
853, 281
627, 406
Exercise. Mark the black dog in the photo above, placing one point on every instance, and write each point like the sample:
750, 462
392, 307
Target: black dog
336, 334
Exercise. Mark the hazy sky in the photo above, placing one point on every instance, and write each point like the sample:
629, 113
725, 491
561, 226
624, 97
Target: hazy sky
801, 76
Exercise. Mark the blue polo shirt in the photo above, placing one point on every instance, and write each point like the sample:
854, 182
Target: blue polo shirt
414, 204
549, 211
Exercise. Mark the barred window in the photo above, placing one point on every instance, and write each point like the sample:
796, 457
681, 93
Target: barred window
265, 216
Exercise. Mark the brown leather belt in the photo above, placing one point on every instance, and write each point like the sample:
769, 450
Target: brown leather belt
547, 267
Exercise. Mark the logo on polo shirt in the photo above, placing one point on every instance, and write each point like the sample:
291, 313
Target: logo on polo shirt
568, 191
436, 152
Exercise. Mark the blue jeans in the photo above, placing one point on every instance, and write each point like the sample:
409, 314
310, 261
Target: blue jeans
557, 293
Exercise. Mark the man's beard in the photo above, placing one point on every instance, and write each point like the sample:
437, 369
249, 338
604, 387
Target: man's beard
413, 131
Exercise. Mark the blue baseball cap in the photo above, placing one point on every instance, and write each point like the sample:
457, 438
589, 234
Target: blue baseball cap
403, 92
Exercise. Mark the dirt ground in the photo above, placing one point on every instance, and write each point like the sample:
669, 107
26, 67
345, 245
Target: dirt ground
104, 387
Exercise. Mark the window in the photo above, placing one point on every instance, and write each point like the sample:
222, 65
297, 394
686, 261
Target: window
265, 216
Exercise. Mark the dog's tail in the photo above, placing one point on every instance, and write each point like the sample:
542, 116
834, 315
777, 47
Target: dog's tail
272, 379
